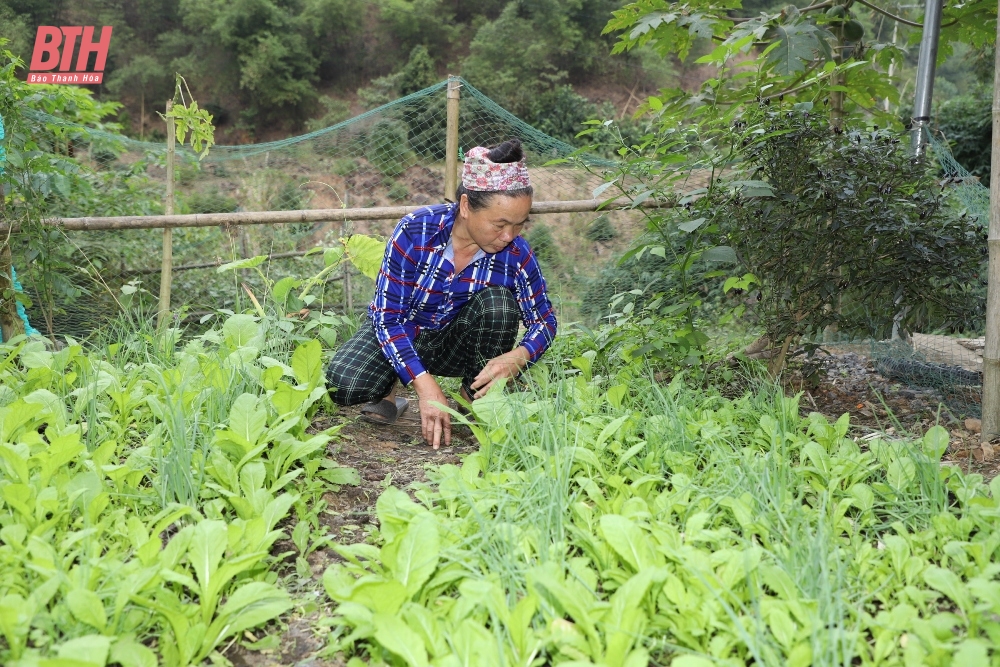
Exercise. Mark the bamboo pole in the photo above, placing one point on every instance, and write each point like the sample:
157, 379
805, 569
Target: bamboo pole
451, 140
167, 259
991, 354
309, 215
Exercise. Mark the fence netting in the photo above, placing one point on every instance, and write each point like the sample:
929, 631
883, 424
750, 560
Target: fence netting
390, 156
948, 365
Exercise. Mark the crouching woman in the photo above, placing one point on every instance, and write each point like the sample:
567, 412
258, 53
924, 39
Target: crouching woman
455, 282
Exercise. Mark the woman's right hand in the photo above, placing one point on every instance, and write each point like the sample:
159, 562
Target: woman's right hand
435, 423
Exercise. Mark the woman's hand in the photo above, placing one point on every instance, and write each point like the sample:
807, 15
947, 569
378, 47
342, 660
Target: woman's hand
435, 423
500, 369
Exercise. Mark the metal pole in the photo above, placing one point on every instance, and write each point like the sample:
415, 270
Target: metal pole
991, 354
451, 140
168, 245
925, 77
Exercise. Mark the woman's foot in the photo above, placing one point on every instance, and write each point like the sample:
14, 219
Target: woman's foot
385, 411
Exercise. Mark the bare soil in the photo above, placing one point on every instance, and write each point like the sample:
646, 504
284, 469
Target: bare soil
847, 382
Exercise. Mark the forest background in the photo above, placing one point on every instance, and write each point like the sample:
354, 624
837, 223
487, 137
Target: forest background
267, 69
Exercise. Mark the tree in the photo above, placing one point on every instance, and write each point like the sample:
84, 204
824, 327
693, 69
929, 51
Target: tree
141, 73
819, 53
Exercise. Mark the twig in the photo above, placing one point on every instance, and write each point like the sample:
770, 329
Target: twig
891, 15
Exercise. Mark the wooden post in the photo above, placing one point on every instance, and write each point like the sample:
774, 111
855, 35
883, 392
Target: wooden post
10, 323
451, 140
991, 355
167, 261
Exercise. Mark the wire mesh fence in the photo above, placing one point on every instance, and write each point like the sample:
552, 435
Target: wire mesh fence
392, 155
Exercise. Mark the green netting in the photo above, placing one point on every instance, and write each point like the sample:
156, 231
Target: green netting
392, 155
973, 195
948, 365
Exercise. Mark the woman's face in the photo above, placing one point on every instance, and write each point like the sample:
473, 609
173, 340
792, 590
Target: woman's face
494, 227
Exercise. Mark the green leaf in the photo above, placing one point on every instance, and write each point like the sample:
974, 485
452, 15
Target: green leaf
307, 363
935, 442
949, 583
129, 653
88, 650
283, 287
628, 541
416, 556
240, 329
691, 225
87, 607
691, 661
798, 42
616, 395
366, 253
392, 633
971, 653
247, 263
333, 255
720, 253
247, 420
600, 189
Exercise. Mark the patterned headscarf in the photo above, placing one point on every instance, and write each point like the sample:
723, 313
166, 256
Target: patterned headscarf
482, 174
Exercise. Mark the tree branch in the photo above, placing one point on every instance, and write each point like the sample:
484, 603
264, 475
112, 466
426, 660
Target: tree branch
743, 19
890, 15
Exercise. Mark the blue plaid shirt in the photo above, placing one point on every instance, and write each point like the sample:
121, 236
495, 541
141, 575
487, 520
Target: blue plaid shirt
417, 287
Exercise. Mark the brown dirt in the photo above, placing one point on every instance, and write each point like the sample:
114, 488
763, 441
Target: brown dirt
848, 383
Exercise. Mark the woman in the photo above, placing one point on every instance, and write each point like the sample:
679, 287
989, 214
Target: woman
455, 281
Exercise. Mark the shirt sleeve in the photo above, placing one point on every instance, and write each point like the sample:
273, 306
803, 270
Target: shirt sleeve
536, 310
390, 308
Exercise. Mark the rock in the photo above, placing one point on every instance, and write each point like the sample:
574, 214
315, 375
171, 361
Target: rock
974, 425
988, 452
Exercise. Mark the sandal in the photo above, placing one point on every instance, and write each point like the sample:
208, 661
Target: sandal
384, 412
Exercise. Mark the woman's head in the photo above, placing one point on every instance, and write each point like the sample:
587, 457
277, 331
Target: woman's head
494, 198
494, 172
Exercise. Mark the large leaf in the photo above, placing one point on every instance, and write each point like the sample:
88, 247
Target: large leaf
240, 329
247, 419
720, 253
797, 45
87, 607
307, 363
628, 541
392, 633
416, 553
366, 253
248, 263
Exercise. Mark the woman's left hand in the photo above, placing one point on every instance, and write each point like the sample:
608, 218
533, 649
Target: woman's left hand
500, 369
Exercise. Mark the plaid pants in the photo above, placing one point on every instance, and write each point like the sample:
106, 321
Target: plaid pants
484, 329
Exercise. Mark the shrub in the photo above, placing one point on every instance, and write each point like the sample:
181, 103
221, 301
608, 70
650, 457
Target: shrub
388, 149
213, 201
335, 112
967, 126
344, 166
600, 230
398, 191
855, 233
542, 243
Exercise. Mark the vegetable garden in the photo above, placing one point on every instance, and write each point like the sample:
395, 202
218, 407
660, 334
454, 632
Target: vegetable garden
159, 499
653, 492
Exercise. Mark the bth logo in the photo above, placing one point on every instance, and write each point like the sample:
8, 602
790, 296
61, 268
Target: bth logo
55, 47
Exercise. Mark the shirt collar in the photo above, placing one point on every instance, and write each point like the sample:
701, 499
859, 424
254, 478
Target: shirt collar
442, 237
